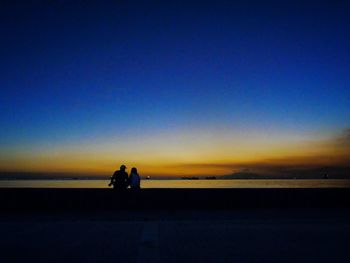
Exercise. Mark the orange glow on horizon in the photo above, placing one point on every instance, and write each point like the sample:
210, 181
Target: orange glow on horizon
194, 153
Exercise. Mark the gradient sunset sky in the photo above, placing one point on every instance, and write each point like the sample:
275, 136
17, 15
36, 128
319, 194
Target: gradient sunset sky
173, 87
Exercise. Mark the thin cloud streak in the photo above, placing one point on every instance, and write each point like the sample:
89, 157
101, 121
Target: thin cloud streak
336, 162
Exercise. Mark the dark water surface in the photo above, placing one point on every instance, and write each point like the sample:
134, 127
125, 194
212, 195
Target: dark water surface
246, 183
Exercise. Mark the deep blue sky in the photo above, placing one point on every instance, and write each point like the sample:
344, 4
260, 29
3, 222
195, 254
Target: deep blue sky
75, 70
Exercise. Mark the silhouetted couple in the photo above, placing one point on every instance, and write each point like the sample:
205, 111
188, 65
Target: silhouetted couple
121, 181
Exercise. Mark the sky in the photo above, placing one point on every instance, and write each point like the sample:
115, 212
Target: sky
173, 87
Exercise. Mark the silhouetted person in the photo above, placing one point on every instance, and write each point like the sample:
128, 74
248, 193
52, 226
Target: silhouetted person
119, 179
134, 179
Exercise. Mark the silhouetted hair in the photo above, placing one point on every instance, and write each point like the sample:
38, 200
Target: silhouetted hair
133, 170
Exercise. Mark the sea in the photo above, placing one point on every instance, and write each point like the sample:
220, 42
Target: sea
152, 183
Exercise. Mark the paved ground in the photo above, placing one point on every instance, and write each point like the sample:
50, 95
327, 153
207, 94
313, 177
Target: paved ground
177, 237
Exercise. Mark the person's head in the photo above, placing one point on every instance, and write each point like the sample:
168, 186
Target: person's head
122, 167
133, 170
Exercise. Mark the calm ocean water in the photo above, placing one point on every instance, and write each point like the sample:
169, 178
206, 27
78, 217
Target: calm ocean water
340, 183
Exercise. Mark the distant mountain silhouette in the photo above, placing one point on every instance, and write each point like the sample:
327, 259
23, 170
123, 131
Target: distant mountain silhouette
295, 173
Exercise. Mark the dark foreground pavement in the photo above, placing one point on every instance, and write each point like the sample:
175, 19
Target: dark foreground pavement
175, 225
245, 235
52, 200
